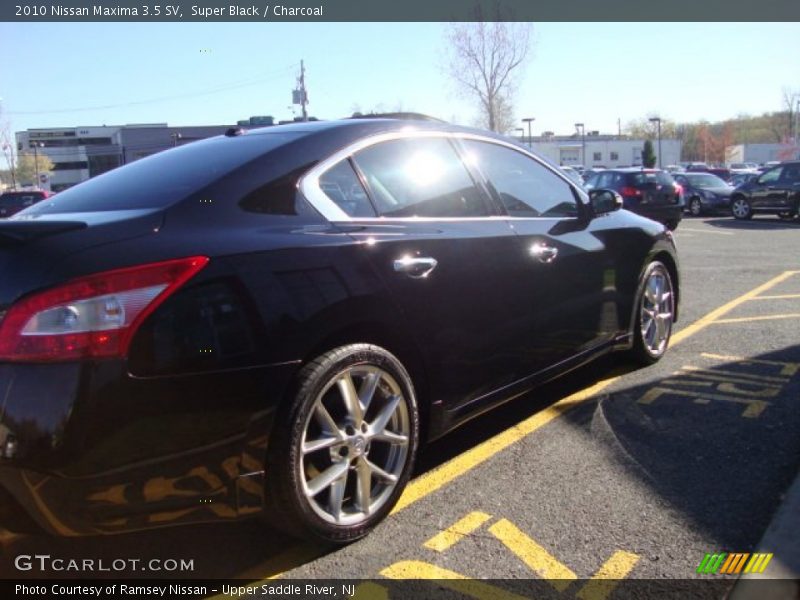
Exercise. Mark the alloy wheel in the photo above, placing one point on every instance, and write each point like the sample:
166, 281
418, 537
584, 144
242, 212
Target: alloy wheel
740, 208
657, 311
355, 445
695, 207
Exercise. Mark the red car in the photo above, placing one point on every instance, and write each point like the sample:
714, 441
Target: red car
13, 202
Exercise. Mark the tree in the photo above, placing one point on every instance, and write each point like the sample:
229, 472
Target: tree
648, 156
26, 167
484, 61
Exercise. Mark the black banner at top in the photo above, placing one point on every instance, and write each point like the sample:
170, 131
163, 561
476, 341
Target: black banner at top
397, 10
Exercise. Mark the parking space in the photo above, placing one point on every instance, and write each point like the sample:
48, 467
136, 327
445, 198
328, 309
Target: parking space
609, 474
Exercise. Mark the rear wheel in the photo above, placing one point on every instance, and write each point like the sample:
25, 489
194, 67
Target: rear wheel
741, 209
655, 314
672, 225
695, 207
342, 450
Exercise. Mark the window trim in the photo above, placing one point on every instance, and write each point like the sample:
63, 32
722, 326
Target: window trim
310, 188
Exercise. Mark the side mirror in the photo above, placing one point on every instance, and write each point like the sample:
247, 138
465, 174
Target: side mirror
604, 201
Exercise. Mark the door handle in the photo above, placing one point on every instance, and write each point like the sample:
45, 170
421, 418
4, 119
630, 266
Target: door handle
544, 253
415, 267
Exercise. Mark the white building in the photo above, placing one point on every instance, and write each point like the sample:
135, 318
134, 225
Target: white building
761, 153
601, 150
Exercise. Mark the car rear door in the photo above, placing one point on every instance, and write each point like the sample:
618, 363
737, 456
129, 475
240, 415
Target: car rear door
445, 256
562, 270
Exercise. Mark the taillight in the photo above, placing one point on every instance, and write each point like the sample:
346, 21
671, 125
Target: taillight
630, 191
90, 317
678, 189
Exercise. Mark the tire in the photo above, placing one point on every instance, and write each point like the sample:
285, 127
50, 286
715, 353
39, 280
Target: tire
695, 207
654, 314
323, 449
672, 225
741, 209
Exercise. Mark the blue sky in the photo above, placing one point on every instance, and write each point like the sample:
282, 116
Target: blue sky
589, 72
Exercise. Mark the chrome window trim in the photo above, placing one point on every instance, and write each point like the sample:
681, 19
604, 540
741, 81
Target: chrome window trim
311, 190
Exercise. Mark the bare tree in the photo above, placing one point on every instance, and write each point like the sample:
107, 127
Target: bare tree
484, 60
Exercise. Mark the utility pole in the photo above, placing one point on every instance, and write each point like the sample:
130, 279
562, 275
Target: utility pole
301, 96
528, 120
36, 159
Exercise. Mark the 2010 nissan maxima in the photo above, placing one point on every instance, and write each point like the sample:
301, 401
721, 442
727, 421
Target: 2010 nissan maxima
273, 321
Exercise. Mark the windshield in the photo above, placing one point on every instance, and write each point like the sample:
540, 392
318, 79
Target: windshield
706, 181
161, 179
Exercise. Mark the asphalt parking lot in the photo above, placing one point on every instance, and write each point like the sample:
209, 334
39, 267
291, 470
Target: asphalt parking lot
608, 472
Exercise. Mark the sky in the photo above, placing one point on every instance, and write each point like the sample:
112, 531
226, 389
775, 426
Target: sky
79, 74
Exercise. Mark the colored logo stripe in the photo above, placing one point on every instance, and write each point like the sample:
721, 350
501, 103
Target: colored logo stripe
733, 563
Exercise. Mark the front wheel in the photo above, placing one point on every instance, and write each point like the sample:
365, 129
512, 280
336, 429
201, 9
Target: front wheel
741, 209
343, 447
655, 314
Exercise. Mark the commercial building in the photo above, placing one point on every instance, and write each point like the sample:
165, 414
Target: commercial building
596, 150
761, 153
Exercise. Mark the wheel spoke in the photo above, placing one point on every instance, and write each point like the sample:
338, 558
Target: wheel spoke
364, 487
337, 496
367, 391
325, 420
320, 444
378, 472
390, 437
326, 478
379, 424
350, 396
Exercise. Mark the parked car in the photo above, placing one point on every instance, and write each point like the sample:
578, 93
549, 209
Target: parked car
13, 202
704, 193
277, 319
573, 174
741, 178
649, 192
589, 173
776, 191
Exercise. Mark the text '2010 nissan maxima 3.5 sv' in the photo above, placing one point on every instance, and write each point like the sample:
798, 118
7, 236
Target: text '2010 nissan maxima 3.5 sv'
273, 321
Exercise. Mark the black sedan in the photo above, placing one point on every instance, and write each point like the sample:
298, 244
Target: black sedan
704, 193
272, 322
776, 191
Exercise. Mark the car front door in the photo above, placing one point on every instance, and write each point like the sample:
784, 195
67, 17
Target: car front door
564, 271
436, 240
766, 189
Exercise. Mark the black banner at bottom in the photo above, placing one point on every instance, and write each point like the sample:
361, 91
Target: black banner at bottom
418, 589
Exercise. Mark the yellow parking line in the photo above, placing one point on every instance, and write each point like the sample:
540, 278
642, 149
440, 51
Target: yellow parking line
415, 569
761, 318
457, 531
539, 560
787, 368
715, 314
607, 578
779, 297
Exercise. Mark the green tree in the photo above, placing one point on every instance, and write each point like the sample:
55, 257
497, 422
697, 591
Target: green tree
648, 156
27, 166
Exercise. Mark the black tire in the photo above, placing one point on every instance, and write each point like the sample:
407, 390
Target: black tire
741, 209
288, 472
695, 207
642, 352
672, 225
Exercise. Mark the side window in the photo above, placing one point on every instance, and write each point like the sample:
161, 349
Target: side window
604, 180
341, 184
527, 188
420, 177
771, 176
791, 174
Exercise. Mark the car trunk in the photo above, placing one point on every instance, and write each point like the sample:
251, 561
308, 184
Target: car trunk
33, 248
656, 188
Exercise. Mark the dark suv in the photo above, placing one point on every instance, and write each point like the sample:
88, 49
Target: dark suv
651, 193
13, 202
776, 192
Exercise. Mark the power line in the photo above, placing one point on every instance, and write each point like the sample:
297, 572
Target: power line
215, 90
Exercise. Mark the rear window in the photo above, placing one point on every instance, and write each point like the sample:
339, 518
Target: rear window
651, 177
164, 178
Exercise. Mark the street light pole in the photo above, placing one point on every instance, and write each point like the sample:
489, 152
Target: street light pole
658, 121
36, 146
583, 143
529, 120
